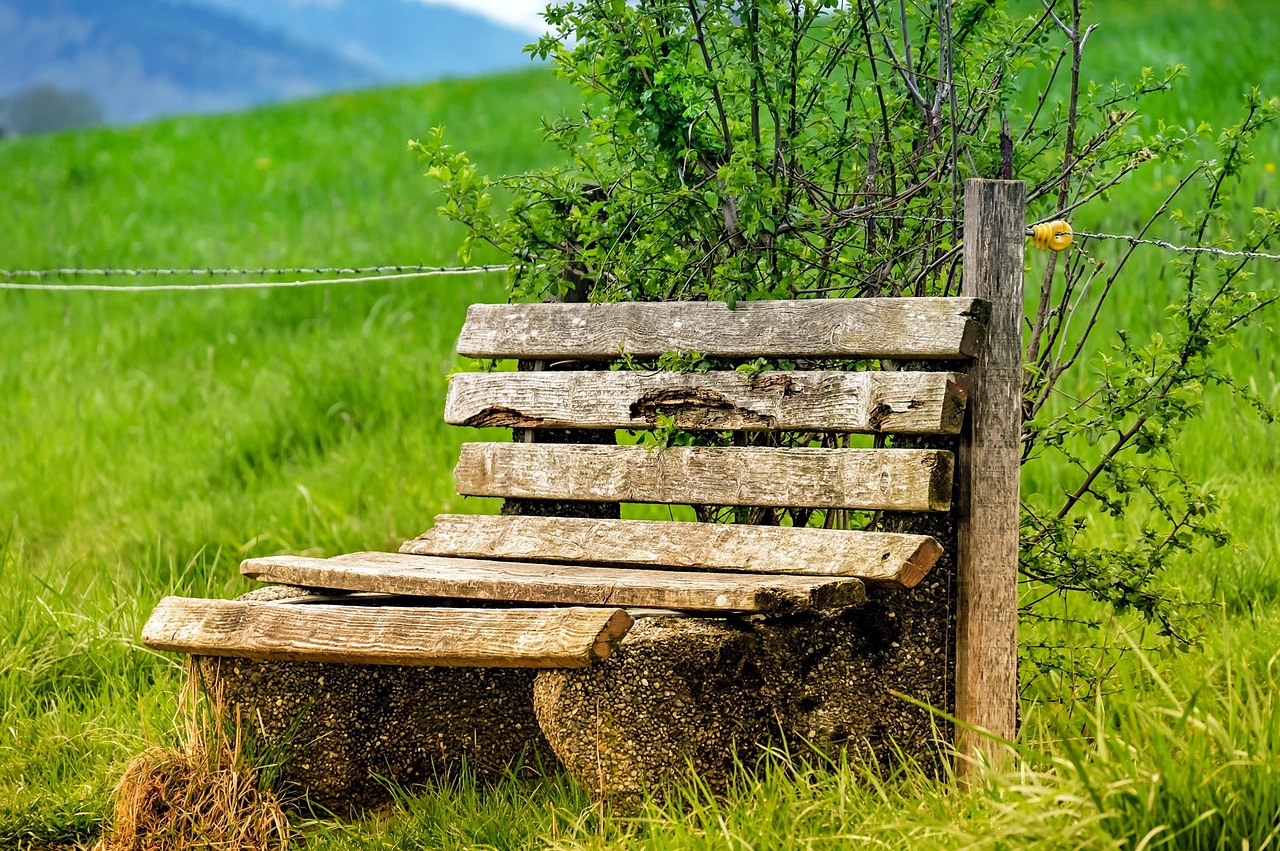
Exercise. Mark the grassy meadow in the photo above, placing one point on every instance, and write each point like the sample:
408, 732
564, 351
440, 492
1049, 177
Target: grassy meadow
149, 442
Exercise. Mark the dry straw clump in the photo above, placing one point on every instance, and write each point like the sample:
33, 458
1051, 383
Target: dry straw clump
203, 794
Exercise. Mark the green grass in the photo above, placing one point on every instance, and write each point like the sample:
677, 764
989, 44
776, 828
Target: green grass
150, 442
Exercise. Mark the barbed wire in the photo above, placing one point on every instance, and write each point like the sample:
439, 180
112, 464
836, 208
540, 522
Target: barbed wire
423, 272
1185, 249
369, 274
1123, 237
293, 270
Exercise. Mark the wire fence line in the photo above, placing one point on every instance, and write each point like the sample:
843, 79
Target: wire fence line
292, 270
1185, 249
370, 274
1123, 237
420, 272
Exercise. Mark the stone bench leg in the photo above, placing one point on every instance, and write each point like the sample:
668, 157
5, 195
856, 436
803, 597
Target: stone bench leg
684, 692
676, 692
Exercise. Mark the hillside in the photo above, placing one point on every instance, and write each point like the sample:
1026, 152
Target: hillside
143, 58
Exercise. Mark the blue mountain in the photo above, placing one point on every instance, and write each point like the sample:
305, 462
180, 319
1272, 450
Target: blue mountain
138, 59
403, 39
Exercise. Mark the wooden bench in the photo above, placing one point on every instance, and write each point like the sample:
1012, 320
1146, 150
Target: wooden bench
583, 573
527, 590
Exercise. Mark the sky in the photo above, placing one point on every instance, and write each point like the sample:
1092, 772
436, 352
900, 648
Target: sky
525, 14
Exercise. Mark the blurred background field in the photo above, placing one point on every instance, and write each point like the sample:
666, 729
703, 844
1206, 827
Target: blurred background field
149, 442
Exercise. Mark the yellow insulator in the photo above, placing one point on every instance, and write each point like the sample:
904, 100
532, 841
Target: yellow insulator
1051, 236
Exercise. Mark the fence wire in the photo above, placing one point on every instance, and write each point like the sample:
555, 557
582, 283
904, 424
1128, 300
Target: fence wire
1184, 249
415, 272
292, 270
370, 274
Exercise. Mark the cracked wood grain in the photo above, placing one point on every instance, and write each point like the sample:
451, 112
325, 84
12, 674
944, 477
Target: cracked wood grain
886, 402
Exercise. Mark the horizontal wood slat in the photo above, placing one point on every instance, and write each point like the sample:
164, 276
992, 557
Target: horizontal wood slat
884, 559
896, 328
476, 579
889, 479
510, 638
890, 402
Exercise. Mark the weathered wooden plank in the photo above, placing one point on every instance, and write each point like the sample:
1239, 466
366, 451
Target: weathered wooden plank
878, 558
385, 635
890, 479
891, 328
990, 456
889, 402
476, 579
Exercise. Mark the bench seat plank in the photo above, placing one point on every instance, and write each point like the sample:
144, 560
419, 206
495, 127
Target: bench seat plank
879, 479
885, 328
883, 559
511, 638
889, 402
478, 579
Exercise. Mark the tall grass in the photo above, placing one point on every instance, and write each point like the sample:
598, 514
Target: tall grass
148, 443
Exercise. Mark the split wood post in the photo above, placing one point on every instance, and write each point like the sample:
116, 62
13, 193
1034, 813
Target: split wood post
989, 465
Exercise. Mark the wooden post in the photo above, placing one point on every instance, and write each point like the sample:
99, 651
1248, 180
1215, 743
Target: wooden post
989, 464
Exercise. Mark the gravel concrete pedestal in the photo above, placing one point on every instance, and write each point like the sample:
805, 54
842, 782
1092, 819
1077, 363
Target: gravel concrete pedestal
694, 692
341, 732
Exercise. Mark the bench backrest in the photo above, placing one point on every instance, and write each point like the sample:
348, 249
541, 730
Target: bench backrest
720, 400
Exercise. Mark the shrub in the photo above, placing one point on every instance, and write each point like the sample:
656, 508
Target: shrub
815, 148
